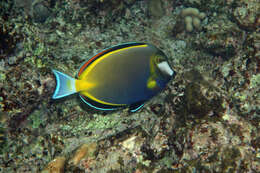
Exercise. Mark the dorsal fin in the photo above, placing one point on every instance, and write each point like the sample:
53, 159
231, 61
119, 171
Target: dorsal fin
103, 52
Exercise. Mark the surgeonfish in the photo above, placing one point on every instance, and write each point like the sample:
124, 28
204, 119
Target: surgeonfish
123, 75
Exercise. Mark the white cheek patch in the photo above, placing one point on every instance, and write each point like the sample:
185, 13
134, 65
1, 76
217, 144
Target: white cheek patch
165, 68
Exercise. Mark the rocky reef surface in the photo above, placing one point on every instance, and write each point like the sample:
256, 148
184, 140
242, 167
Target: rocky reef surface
206, 120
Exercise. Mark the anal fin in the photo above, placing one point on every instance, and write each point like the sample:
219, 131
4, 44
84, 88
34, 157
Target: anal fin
97, 105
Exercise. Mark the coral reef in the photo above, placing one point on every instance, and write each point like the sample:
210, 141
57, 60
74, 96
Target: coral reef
222, 36
206, 120
189, 19
201, 97
192, 18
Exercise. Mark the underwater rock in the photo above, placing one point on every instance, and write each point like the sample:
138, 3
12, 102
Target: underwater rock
222, 38
26, 5
55, 166
40, 12
2, 137
201, 98
85, 150
209, 5
224, 145
188, 20
89, 11
8, 39
247, 15
155, 8
252, 47
197, 101
12, 60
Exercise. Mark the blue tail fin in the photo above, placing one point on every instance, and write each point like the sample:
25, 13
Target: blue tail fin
65, 85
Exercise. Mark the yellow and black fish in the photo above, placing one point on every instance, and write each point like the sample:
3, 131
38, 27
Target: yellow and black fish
124, 75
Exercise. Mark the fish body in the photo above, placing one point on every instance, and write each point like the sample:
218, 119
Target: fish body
124, 75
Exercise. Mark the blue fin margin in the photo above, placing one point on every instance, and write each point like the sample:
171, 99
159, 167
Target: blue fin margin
136, 107
62, 88
98, 108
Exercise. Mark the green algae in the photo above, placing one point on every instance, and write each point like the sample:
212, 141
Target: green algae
2, 76
39, 49
37, 119
167, 161
98, 122
255, 81
242, 97
103, 122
